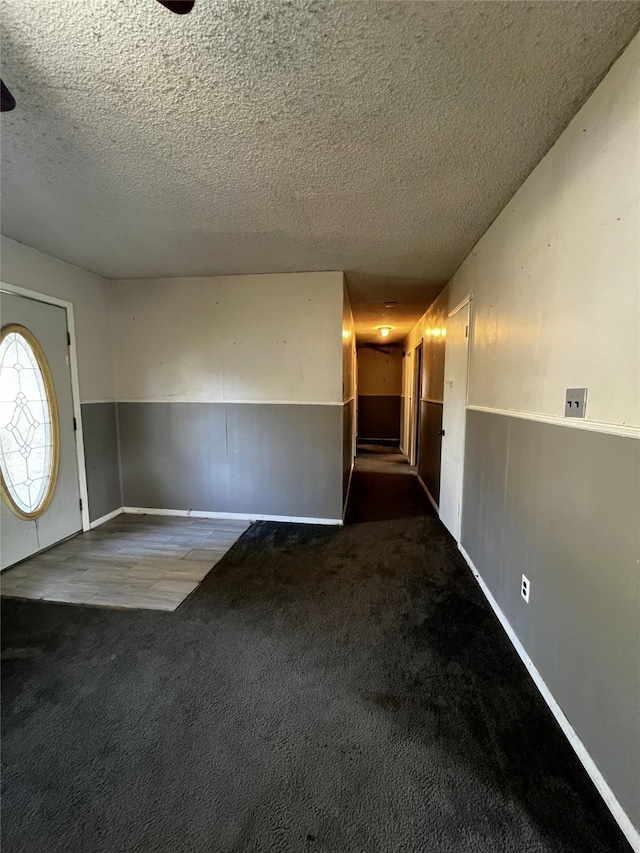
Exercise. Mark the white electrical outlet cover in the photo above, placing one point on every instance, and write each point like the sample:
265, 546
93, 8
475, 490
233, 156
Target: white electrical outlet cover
525, 588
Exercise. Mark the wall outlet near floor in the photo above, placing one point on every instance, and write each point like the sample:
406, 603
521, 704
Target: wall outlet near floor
525, 588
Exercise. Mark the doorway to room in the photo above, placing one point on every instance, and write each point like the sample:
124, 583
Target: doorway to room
416, 398
379, 393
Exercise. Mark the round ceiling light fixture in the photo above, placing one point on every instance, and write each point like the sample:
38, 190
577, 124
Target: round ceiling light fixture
384, 331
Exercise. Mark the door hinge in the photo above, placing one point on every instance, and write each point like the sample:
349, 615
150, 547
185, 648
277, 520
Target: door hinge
68, 339
466, 331
75, 425
80, 504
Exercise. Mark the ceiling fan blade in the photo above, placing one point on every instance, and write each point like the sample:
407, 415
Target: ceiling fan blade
7, 101
180, 7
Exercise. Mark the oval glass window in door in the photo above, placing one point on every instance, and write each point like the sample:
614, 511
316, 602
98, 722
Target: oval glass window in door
29, 430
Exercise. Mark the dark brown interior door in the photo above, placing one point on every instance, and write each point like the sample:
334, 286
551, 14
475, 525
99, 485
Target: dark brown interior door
417, 394
430, 446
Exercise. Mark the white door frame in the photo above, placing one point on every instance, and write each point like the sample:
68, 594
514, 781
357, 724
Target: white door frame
75, 385
468, 300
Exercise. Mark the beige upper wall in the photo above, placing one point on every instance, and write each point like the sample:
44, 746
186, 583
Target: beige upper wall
348, 349
250, 338
253, 338
555, 280
379, 373
89, 293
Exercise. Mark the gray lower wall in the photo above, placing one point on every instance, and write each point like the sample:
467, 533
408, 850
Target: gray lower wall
561, 506
231, 457
348, 448
379, 416
100, 435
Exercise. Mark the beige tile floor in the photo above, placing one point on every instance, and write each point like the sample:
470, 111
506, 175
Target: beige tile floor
137, 561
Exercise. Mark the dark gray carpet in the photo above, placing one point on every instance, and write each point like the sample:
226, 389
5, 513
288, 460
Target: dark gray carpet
323, 690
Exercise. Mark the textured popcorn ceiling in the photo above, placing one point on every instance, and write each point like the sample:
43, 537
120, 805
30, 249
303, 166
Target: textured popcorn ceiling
379, 138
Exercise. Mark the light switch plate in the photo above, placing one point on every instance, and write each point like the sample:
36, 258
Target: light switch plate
575, 404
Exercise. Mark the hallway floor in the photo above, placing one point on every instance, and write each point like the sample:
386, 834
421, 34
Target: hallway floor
323, 689
385, 486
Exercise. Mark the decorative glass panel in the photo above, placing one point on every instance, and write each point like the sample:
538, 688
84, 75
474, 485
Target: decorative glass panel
28, 424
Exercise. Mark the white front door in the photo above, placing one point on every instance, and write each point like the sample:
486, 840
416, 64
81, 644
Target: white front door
40, 491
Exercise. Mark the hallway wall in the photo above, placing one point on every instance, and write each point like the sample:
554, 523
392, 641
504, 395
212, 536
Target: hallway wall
429, 331
556, 306
230, 393
349, 390
379, 392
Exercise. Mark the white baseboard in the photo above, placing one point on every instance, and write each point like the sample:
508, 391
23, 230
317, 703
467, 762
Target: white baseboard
106, 518
427, 493
237, 516
624, 822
